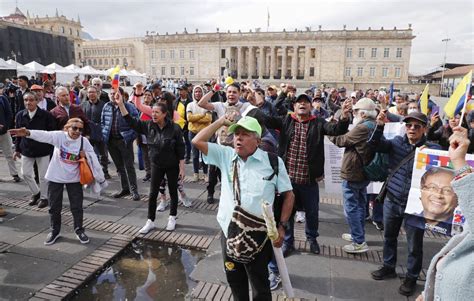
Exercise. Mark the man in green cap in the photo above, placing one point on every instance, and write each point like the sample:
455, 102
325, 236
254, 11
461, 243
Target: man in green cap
248, 169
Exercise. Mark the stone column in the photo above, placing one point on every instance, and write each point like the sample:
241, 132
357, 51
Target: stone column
239, 62
283, 61
272, 62
306, 62
294, 63
261, 63
251, 61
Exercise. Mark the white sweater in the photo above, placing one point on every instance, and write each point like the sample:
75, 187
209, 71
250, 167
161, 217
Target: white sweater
64, 165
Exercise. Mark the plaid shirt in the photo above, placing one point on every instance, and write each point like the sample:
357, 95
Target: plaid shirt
297, 157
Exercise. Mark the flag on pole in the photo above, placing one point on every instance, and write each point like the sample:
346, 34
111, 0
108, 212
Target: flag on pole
115, 76
424, 100
268, 18
390, 93
456, 102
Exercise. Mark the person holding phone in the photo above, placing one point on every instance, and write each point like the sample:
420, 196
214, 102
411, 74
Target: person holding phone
166, 151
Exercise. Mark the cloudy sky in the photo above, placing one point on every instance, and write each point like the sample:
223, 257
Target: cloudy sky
432, 20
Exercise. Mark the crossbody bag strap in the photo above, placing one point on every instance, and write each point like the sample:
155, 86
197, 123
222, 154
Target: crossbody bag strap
235, 181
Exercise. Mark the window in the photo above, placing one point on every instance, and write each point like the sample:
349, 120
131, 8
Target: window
372, 72
182, 68
360, 70
385, 72
397, 72
163, 70
222, 53
63, 30
313, 53
95, 62
163, 54
311, 71
125, 51
399, 52
79, 55
386, 52
172, 55
191, 54
106, 62
374, 52
152, 54
117, 61
153, 70
361, 52
70, 31
77, 33
191, 71
348, 71
89, 62
181, 54
172, 71
100, 61
349, 52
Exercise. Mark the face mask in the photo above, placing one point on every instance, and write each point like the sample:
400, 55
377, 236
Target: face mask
412, 111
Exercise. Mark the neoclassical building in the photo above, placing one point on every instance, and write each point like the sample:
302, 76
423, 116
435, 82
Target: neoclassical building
327, 56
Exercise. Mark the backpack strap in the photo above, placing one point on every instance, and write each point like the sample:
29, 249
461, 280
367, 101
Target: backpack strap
274, 163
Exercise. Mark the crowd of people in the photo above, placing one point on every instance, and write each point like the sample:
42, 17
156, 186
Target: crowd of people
225, 130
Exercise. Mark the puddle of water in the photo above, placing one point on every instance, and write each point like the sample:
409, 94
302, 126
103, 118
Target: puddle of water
145, 271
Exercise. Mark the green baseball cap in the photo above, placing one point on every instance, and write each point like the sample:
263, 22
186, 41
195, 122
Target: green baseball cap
249, 123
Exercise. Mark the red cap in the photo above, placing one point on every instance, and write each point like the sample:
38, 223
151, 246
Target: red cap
36, 87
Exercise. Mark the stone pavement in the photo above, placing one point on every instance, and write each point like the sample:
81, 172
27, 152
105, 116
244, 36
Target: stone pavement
28, 266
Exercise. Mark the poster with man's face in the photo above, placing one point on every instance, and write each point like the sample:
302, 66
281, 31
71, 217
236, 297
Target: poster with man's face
432, 202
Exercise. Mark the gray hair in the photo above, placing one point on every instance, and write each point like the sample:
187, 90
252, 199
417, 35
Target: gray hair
59, 89
30, 93
96, 80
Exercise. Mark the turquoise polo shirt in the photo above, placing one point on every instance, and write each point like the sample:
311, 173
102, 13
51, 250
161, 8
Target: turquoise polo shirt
254, 189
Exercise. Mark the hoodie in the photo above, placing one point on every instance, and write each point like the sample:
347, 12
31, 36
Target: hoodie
198, 118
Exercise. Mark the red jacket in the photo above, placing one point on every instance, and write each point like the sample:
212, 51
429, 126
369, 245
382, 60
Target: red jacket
61, 116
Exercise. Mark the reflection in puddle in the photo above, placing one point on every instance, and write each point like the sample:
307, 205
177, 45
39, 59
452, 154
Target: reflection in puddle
145, 271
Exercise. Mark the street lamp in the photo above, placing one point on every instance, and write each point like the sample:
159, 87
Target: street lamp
444, 64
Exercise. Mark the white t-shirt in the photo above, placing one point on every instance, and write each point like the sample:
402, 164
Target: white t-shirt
220, 108
64, 165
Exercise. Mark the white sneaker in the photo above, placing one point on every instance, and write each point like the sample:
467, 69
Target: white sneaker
150, 225
196, 177
162, 206
186, 202
171, 223
355, 248
347, 237
202, 177
300, 217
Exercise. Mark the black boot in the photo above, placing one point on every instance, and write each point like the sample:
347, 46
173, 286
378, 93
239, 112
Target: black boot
34, 199
408, 286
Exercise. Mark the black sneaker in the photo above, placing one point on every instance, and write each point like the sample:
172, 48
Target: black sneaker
107, 176
408, 286
187, 161
210, 198
121, 194
146, 178
287, 250
314, 247
16, 179
384, 273
82, 236
51, 238
378, 225
42, 203
34, 199
135, 195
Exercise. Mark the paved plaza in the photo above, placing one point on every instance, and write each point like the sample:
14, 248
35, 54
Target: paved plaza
29, 269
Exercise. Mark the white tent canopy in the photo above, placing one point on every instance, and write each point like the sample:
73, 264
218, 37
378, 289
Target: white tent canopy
90, 70
35, 66
6, 66
73, 67
22, 69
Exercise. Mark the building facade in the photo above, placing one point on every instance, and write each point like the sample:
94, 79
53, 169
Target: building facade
104, 54
330, 56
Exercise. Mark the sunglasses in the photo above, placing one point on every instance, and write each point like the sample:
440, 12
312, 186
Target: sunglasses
77, 129
412, 125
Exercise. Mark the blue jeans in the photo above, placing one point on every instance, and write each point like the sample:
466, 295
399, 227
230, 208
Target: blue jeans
196, 155
355, 201
307, 196
393, 216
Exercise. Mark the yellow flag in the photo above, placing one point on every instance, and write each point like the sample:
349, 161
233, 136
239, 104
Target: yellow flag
424, 100
457, 100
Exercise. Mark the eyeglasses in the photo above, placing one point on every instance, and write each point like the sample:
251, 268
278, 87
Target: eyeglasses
413, 125
77, 129
97, 85
432, 188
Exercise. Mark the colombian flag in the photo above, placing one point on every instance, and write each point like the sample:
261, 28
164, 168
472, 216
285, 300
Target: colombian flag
424, 100
115, 76
457, 100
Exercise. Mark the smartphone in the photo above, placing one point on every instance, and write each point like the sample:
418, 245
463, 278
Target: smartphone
434, 110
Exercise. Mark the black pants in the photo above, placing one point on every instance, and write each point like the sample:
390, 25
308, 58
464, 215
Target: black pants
214, 176
157, 175
239, 274
187, 143
100, 150
55, 195
122, 155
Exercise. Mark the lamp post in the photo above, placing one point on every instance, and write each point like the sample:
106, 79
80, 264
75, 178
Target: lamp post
444, 64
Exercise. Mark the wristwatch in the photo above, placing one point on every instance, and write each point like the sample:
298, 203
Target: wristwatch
285, 225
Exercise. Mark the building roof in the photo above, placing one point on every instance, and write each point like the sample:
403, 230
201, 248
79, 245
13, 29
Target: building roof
456, 72
16, 15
